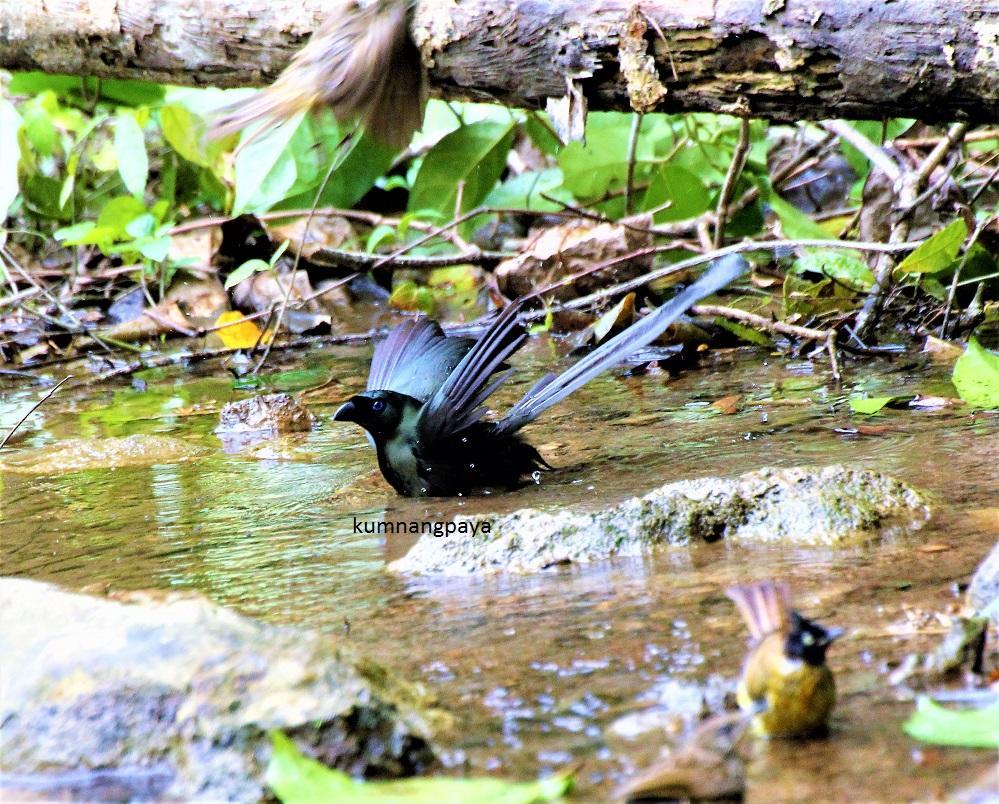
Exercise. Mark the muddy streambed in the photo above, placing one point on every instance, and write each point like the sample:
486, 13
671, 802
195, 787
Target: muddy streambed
594, 663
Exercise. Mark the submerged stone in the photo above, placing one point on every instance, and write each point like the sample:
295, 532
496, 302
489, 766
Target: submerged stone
273, 413
169, 696
831, 506
81, 454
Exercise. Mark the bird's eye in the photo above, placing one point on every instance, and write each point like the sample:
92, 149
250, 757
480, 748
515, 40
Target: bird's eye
378, 405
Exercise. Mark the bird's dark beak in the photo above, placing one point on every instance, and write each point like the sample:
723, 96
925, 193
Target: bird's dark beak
347, 412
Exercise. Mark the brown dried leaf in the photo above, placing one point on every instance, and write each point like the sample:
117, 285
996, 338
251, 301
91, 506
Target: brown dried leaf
325, 232
571, 248
728, 404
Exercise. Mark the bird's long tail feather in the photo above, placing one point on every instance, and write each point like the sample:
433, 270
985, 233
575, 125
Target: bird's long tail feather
765, 606
552, 389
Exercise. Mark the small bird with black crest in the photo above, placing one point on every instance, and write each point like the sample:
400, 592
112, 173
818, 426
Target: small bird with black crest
785, 681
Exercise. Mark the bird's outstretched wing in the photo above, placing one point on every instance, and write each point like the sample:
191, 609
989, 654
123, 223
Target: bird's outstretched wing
416, 359
457, 403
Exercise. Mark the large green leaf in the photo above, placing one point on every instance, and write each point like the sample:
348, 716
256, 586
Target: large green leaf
601, 164
843, 266
360, 168
473, 157
10, 154
526, 190
970, 728
686, 193
795, 223
297, 779
265, 169
938, 252
976, 376
130, 151
185, 132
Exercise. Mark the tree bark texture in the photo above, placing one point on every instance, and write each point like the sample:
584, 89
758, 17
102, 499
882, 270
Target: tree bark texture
935, 60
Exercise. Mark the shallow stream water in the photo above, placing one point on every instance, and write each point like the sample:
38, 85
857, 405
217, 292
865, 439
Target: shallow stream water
600, 664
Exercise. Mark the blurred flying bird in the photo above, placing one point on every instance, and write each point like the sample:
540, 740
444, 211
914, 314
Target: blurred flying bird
361, 63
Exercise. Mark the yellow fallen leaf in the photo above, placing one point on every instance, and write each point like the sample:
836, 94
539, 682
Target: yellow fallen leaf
240, 334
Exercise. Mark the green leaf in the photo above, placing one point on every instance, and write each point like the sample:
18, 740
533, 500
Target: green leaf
152, 248
10, 155
38, 125
870, 404
969, 728
185, 132
244, 271
473, 156
686, 193
297, 779
796, 224
601, 164
976, 376
747, 334
844, 266
119, 212
380, 234
525, 191
265, 169
938, 252
130, 150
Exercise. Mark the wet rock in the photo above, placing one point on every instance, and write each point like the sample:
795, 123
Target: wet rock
271, 414
176, 695
983, 592
80, 454
830, 506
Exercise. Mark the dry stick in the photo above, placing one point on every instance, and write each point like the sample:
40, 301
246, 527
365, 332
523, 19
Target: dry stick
636, 127
692, 262
923, 142
826, 336
34, 407
912, 182
731, 177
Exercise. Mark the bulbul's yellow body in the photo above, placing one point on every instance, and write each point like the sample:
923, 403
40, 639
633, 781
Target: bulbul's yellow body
798, 697
785, 679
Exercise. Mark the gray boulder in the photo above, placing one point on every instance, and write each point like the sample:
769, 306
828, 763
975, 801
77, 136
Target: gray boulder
169, 696
831, 506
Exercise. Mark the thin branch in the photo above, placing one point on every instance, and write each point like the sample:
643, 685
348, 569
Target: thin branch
731, 177
33, 408
337, 160
737, 248
636, 127
874, 154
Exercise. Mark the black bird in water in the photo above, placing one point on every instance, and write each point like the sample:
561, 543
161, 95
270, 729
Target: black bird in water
423, 407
